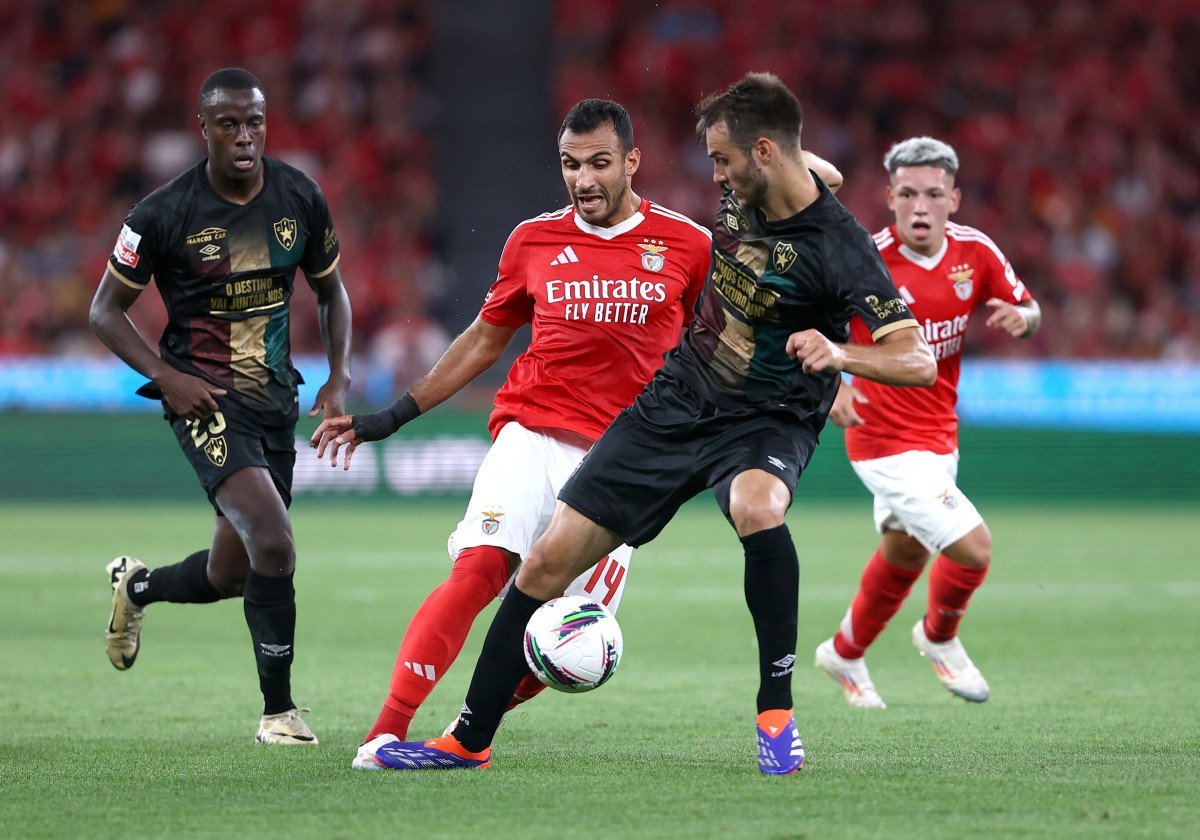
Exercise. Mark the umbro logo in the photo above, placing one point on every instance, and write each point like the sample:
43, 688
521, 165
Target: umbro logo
784, 665
565, 256
426, 671
776, 463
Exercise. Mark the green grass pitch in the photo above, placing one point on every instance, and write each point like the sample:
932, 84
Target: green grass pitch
1088, 630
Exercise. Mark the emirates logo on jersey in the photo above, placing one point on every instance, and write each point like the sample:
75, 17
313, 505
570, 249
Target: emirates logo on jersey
961, 276
652, 254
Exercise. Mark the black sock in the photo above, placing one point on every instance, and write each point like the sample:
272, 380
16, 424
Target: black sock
499, 670
772, 585
270, 605
185, 582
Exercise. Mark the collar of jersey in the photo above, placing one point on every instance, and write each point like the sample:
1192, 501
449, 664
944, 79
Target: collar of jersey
928, 263
610, 232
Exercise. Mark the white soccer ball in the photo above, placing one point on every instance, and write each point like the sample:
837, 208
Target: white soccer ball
573, 643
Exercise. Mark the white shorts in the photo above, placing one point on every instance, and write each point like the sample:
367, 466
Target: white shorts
915, 492
513, 499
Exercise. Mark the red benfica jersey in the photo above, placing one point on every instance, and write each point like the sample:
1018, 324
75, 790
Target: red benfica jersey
605, 304
942, 291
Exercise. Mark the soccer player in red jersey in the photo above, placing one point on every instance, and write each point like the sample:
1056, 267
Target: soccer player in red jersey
903, 442
607, 283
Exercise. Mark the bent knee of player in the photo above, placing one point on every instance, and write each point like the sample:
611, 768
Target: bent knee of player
974, 550
750, 518
544, 575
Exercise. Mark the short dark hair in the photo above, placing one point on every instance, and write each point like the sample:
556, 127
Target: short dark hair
757, 105
590, 114
229, 78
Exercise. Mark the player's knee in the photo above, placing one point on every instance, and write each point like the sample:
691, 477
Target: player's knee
974, 550
542, 576
229, 584
751, 518
272, 553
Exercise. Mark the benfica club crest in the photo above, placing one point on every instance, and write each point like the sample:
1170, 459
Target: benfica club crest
491, 522
964, 286
285, 232
652, 255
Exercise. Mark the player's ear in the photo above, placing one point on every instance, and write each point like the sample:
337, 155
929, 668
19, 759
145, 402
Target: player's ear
633, 159
955, 198
203, 126
763, 150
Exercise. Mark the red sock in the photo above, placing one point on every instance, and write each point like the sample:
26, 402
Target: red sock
527, 689
950, 588
437, 632
881, 592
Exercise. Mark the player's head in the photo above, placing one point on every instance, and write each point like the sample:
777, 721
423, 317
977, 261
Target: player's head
595, 148
921, 192
233, 121
747, 128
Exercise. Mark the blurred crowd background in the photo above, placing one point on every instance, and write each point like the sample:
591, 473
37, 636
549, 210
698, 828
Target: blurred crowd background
1077, 125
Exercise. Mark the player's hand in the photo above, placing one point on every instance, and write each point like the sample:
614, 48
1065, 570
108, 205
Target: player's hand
843, 413
331, 399
1005, 316
815, 352
189, 396
333, 434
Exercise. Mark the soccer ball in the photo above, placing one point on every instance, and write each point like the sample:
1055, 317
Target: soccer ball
572, 643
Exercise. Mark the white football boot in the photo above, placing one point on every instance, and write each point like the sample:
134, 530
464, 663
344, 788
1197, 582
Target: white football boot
851, 674
952, 665
285, 728
365, 758
123, 636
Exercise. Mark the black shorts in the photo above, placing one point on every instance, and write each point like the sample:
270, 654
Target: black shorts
669, 446
234, 438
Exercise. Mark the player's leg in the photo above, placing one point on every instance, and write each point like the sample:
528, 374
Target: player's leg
606, 583
886, 581
189, 581
437, 633
935, 513
562, 553
758, 501
255, 510
511, 501
569, 547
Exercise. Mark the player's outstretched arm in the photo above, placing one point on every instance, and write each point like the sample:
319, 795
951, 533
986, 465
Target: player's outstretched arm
333, 317
473, 352
901, 357
187, 395
1020, 320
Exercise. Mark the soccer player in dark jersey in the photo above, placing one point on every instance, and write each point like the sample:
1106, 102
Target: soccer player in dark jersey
736, 407
223, 242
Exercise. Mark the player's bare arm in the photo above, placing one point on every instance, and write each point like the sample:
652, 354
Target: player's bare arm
844, 414
1020, 320
825, 170
188, 396
900, 357
333, 317
473, 352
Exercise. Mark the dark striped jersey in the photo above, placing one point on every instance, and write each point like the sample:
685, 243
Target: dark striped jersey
225, 272
770, 279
